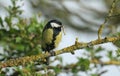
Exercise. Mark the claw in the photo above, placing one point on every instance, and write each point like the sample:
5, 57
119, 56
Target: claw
52, 53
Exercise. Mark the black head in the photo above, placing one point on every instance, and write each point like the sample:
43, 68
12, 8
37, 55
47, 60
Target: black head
55, 21
53, 24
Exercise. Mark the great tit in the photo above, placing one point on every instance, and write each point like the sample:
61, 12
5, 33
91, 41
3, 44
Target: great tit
51, 36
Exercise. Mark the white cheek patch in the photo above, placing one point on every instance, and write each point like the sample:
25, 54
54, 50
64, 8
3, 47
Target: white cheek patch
55, 25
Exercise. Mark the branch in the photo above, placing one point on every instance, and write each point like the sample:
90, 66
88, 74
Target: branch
100, 30
41, 57
75, 65
111, 62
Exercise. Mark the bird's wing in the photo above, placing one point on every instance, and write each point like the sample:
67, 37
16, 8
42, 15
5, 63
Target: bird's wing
47, 37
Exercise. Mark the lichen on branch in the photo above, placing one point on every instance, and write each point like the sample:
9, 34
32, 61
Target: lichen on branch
69, 49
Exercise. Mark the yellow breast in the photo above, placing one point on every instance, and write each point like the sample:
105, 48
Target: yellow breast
58, 39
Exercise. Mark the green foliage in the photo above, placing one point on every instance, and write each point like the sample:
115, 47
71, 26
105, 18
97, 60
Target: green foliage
83, 64
1, 22
116, 43
22, 37
94, 51
14, 10
57, 69
118, 52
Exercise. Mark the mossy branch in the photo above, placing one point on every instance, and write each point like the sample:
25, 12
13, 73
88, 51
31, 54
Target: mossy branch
100, 30
70, 66
111, 62
41, 57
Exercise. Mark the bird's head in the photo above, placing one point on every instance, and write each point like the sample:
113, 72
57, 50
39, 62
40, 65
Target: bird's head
55, 24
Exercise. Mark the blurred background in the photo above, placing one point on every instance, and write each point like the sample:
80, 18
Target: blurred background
81, 19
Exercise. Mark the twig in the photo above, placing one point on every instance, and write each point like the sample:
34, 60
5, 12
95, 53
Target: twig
100, 30
70, 66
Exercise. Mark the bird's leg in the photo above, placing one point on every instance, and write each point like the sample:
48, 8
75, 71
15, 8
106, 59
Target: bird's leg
47, 59
52, 53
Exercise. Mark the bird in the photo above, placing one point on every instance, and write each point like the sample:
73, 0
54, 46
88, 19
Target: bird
51, 36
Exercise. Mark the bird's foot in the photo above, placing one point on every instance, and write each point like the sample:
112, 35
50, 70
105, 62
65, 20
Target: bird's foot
52, 53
